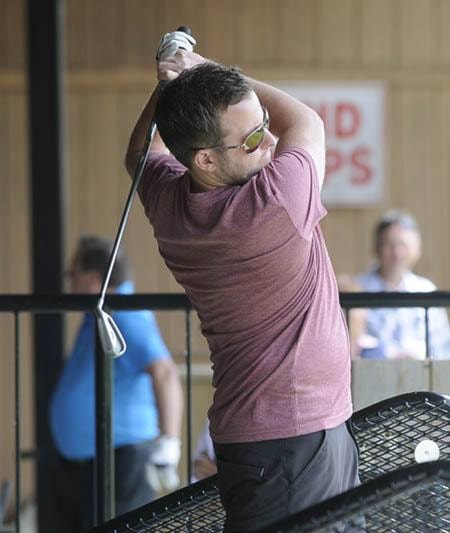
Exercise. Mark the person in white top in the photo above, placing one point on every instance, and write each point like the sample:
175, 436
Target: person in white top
205, 463
400, 332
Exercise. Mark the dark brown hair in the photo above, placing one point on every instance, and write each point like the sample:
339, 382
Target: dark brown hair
188, 109
93, 253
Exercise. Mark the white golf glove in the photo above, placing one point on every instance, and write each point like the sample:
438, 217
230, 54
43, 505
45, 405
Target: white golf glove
162, 467
173, 41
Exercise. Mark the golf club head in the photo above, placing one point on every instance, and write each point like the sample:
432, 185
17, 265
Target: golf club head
112, 340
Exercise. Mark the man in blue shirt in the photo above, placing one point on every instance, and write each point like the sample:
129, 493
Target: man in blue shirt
147, 403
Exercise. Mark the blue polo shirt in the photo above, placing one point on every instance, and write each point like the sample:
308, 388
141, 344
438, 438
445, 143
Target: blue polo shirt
135, 419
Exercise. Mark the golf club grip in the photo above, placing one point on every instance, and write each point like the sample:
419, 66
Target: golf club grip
185, 29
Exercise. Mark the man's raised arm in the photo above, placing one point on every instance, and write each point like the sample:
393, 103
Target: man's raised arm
168, 68
294, 123
139, 132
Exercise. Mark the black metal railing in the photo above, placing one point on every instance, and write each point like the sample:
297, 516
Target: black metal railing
39, 304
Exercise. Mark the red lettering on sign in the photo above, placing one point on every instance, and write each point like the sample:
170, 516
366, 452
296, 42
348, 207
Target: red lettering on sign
359, 159
334, 162
354, 165
347, 120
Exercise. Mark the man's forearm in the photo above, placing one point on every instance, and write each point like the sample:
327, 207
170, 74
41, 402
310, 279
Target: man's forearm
168, 70
294, 123
169, 399
139, 133
285, 111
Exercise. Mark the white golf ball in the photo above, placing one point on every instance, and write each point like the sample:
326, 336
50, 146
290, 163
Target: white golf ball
426, 450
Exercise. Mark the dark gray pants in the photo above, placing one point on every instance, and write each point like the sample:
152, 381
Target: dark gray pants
263, 482
72, 488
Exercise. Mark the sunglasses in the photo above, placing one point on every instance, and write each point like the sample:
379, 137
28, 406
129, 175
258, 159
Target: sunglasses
253, 140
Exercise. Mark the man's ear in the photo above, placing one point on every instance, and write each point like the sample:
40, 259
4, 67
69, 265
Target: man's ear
205, 161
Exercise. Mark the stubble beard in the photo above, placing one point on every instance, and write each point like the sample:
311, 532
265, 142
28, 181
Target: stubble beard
233, 176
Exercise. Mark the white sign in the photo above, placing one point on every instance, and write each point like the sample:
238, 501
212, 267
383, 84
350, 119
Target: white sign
354, 117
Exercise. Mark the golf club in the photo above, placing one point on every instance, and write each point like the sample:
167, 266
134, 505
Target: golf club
111, 338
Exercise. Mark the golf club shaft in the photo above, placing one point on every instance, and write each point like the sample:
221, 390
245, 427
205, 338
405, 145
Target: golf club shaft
136, 179
123, 221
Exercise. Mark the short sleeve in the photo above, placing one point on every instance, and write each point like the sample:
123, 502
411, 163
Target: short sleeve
143, 338
292, 178
159, 169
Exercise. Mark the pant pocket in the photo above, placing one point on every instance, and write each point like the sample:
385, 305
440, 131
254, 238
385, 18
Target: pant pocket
311, 465
349, 425
252, 495
237, 480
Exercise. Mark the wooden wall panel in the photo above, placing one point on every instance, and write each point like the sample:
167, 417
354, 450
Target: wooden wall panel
103, 25
442, 226
258, 45
397, 377
222, 33
341, 229
443, 51
419, 32
12, 34
440, 377
379, 26
435, 181
19, 201
103, 160
338, 46
416, 163
298, 41
140, 31
182, 13
14, 196
77, 167
5, 216
76, 34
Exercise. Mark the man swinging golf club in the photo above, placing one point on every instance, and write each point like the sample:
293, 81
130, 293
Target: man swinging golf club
235, 207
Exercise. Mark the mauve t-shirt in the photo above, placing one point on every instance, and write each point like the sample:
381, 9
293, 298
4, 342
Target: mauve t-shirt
253, 261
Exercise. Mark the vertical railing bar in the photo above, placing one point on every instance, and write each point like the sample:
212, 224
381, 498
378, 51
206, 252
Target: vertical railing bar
189, 394
104, 471
427, 334
17, 414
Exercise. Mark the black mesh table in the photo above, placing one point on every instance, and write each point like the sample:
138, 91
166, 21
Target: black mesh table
194, 508
413, 499
387, 434
389, 431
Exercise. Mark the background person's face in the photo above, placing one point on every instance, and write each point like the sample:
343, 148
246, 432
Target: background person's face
398, 249
83, 282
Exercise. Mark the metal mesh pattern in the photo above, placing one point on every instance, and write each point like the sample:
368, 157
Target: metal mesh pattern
194, 508
387, 434
203, 512
413, 499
